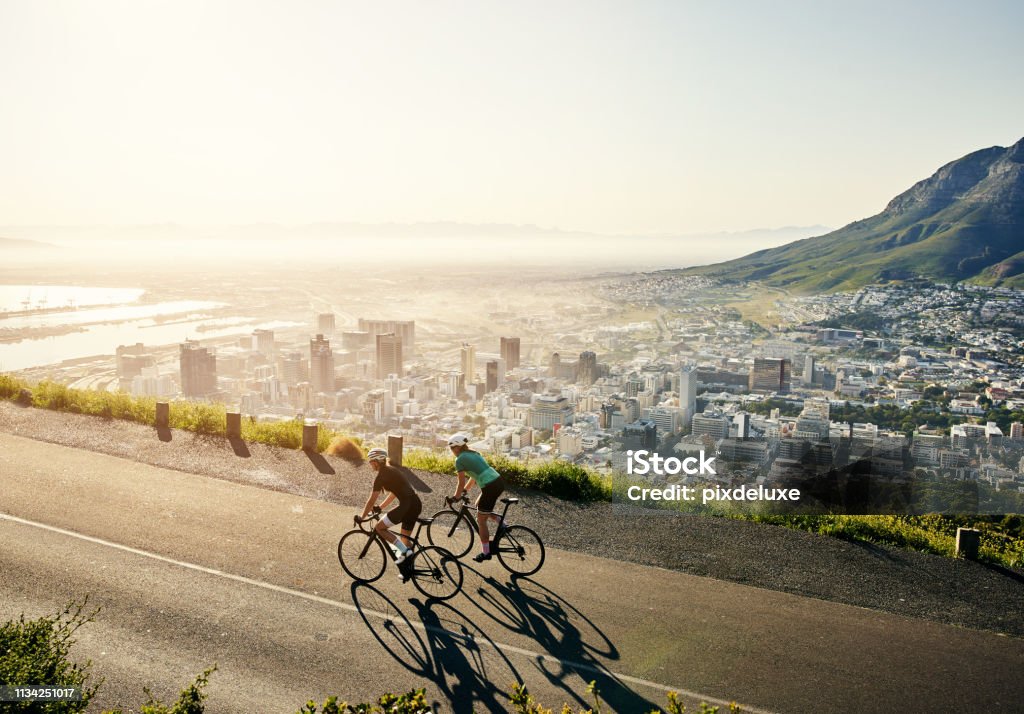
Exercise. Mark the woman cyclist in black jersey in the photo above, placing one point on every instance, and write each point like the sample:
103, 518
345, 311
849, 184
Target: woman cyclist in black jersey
409, 506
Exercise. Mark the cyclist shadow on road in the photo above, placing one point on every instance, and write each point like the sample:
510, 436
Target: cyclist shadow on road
445, 648
574, 644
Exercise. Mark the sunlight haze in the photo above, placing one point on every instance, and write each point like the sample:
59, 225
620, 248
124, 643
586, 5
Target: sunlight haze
628, 118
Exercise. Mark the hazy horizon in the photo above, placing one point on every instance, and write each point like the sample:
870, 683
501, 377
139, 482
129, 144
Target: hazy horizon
660, 119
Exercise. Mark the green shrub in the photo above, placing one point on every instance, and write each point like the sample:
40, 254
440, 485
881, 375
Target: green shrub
190, 701
414, 702
37, 652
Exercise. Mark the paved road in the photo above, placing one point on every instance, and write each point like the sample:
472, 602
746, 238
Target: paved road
191, 570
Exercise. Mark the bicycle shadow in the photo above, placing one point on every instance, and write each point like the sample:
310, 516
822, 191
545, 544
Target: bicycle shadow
444, 648
575, 645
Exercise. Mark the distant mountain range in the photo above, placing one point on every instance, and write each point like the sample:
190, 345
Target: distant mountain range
965, 222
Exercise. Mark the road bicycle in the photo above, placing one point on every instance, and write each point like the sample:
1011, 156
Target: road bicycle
518, 548
433, 570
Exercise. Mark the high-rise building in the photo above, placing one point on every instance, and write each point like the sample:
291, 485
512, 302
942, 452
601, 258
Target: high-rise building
495, 374
547, 411
321, 364
403, 329
688, 393
1017, 431
294, 369
131, 360
771, 374
510, 352
641, 434
325, 323
554, 365
808, 370
354, 339
713, 424
389, 355
198, 370
587, 368
634, 385
263, 342
468, 356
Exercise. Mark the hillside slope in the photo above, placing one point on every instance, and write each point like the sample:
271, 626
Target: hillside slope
965, 222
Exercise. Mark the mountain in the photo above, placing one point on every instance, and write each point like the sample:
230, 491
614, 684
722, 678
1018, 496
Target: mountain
13, 245
965, 222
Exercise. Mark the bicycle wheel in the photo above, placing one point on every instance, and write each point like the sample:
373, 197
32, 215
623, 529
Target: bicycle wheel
436, 573
362, 556
520, 550
451, 531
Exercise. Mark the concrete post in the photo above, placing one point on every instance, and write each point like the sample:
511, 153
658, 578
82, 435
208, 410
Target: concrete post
234, 425
310, 434
163, 415
967, 542
395, 449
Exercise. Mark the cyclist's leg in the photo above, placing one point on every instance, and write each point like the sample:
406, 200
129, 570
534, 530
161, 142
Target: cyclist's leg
409, 521
485, 511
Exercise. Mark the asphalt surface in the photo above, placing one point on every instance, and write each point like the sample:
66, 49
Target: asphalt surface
902, 582
190, 570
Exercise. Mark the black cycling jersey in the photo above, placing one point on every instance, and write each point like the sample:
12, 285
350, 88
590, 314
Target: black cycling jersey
391, 479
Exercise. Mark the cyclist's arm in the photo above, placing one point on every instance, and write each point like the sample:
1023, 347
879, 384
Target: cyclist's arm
374, 495
387, 500
463, 486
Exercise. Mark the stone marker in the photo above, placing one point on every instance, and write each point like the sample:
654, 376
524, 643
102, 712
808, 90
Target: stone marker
310, 434
234, 424
395, 449
163, 415
967, 542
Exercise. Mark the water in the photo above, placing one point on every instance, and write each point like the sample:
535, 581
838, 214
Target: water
112, 314
17, 298
104, 339
102, 329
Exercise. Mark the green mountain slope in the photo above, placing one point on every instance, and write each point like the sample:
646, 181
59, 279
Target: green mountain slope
965, 222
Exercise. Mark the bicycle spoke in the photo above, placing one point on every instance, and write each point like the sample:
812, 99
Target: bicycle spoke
436, 573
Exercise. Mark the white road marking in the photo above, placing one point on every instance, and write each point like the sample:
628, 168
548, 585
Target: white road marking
536, 656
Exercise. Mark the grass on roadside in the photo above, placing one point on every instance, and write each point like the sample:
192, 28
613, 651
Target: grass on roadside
1002, 538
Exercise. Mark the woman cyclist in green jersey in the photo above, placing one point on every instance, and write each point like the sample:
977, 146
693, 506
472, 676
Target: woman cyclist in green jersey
472, 468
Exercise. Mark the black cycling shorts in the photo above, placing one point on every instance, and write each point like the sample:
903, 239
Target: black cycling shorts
406, 513
489, 495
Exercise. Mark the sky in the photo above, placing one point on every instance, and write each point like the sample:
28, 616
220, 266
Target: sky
610, 117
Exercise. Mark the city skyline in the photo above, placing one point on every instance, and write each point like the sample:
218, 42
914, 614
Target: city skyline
667, 119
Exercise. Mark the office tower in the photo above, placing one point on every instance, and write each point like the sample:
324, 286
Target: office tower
263, 342
403, 329
510, 352
587, 369
770, 375
688, 393
321, 364
198, 370
641, 434
547, 411
713, 424
468, 363
1017, 431
325, 323
389, 355
808, 370
294, 369
131, 360
634, 385
492, 376
742, 422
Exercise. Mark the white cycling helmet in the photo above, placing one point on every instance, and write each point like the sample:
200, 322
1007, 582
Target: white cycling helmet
458, 440
377, 454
